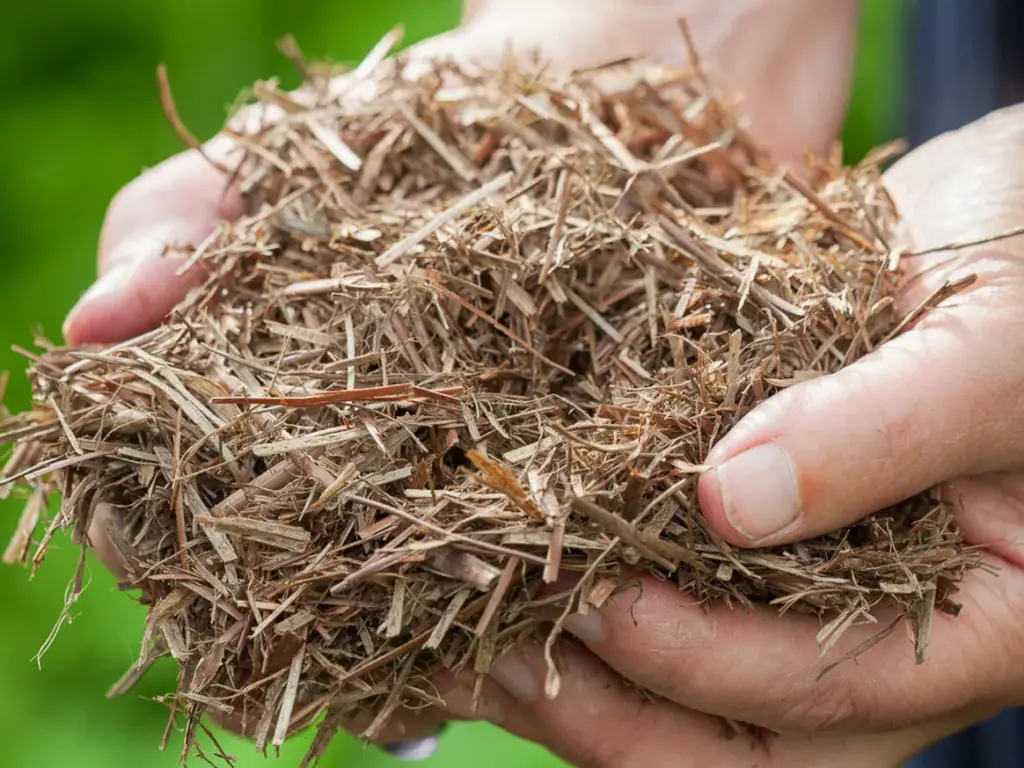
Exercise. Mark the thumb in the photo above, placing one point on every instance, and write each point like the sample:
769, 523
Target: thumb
150, 223
939, 401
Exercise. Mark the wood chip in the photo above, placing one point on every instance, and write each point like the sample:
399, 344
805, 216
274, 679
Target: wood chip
278, 535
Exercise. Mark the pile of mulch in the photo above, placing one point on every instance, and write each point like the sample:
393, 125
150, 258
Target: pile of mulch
477, 329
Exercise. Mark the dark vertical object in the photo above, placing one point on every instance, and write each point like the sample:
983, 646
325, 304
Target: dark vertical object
966, 59
1010, 29
954, 64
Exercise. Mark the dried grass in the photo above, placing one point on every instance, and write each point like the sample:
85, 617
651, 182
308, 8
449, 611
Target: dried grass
477, 329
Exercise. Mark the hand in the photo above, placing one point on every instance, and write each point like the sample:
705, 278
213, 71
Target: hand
941, 404
796, 98
796, 95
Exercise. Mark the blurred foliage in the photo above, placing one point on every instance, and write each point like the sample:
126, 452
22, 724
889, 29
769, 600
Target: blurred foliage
877, 109
81, 117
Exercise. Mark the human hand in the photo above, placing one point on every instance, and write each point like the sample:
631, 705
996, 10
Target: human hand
795, 97
940, 404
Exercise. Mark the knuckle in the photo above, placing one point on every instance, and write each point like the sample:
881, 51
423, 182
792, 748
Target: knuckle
648, 728
829, 705
881, 428
581, 746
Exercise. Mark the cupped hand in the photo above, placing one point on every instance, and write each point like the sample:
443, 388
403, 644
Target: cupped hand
789, 59
941, 404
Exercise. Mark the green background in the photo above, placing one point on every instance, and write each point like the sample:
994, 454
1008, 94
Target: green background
79, 117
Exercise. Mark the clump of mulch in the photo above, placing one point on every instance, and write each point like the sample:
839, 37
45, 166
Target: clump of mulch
477, 329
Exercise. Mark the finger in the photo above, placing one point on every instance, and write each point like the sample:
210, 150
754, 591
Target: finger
794, 96
962, 186
415, 749
756, 666
939, 401
103, 530
405, 725
935, 403
596, 721
149, 227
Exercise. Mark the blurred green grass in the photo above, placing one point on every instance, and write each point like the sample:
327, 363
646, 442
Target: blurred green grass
80, 118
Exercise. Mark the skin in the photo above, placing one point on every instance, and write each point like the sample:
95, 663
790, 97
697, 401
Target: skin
939, 405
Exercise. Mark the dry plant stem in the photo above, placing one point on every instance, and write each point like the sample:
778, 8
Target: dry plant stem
167, 100
476, 330
961, 245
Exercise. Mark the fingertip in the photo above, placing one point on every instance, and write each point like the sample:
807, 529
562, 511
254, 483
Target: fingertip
711, 496
132, 297
460, 702
151, 225
84, 323
589, 628
754, 498
587, 713
108, 553
418, 749
712, 506
69, 330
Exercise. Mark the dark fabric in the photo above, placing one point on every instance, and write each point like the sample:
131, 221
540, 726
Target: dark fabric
954, 65
998, 743
966, 60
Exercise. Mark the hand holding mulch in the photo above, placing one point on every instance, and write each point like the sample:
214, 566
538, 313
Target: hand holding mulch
496, 326
939, 404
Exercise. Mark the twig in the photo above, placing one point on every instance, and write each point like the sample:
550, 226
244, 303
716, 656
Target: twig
167, 100
962, 244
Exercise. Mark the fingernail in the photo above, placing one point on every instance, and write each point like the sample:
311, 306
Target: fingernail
588, 627
759, 492
459, 701
114, 281
515, 676
414, 750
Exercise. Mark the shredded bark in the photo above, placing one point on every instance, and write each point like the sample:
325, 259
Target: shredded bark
477, 329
